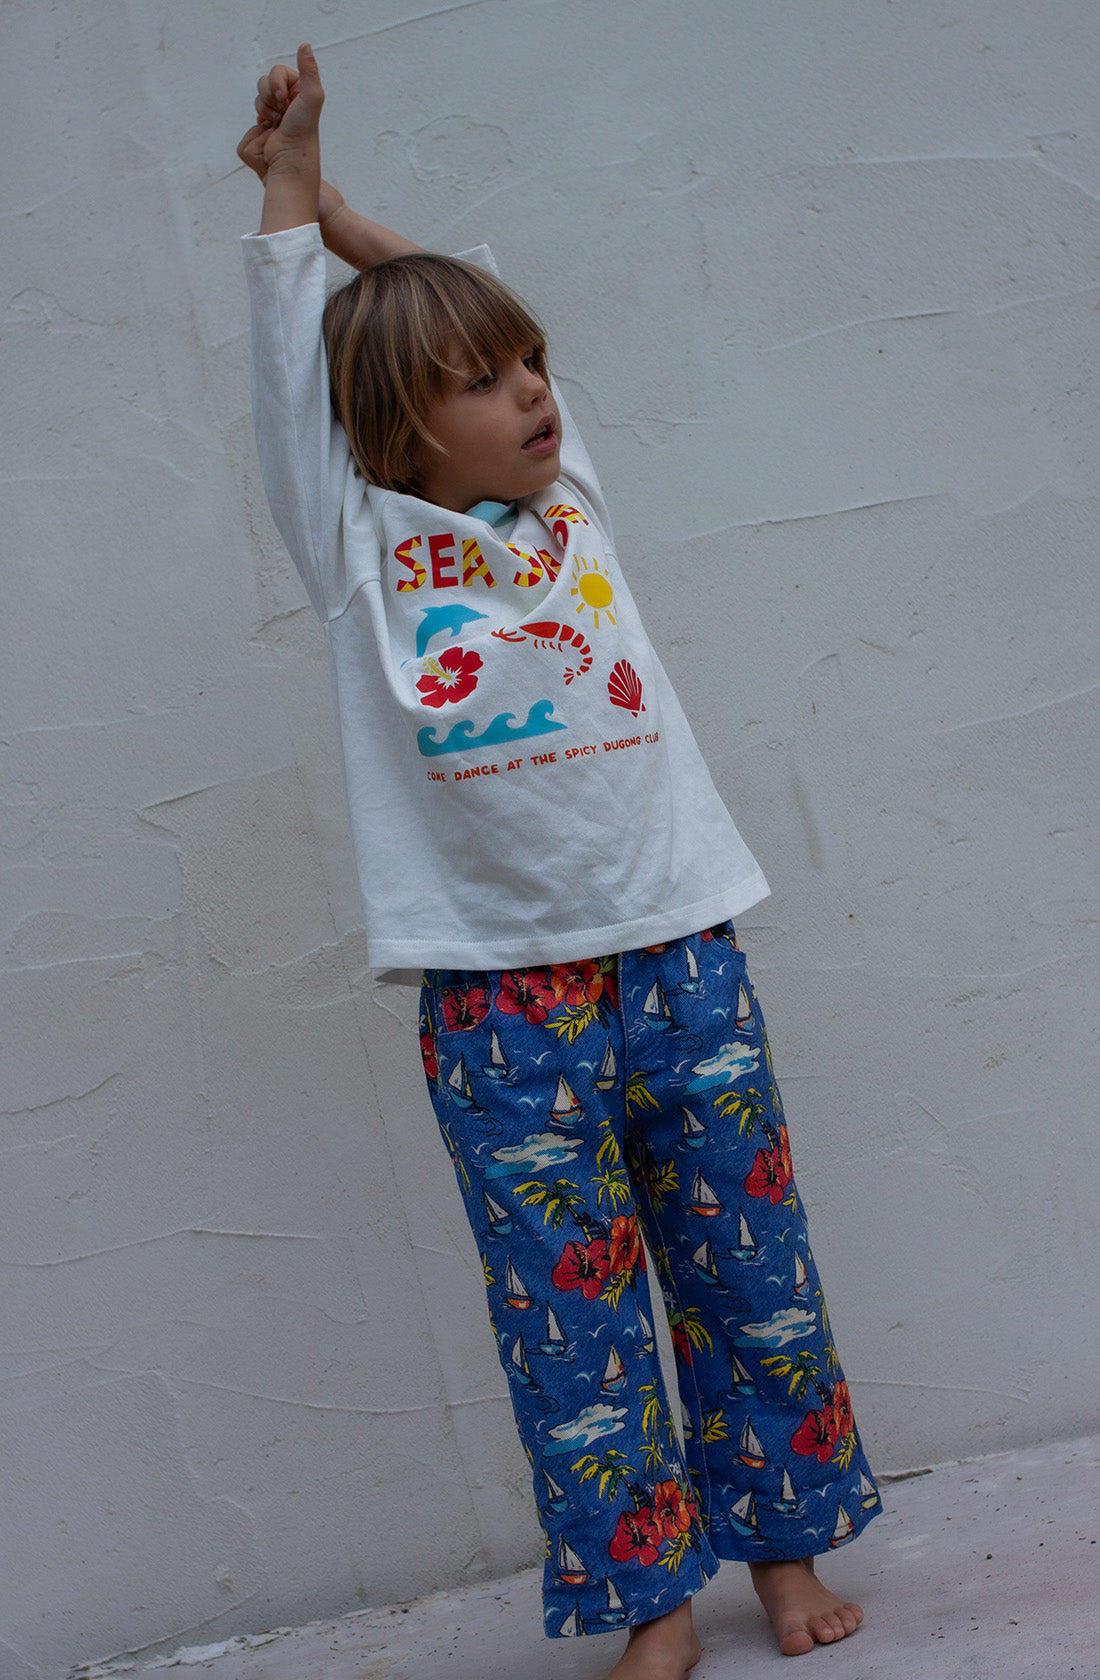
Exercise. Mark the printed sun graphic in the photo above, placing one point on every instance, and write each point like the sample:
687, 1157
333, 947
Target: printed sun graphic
593, 587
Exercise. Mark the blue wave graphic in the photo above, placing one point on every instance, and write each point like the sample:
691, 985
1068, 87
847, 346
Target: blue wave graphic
461, 738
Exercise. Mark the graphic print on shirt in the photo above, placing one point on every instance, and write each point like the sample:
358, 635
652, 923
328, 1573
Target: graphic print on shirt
624, 687
437, 621
451, 676
461, 738
592, 586
550, 634
500, 698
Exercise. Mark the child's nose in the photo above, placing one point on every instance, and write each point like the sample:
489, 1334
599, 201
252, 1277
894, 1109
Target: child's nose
534, 385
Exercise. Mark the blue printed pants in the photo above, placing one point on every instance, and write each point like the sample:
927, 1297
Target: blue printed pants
583, 1104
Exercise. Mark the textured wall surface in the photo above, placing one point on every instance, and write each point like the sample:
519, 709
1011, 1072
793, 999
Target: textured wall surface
823, 288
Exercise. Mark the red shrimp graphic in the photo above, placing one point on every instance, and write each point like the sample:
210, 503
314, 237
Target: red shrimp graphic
549, 634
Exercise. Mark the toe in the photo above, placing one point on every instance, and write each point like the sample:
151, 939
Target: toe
794, 1637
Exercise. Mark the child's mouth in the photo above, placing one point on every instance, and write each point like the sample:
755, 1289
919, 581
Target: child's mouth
545, 438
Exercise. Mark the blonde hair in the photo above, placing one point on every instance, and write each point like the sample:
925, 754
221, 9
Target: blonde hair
397, 336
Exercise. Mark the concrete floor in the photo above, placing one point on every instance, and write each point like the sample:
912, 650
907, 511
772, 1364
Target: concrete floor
977, 1570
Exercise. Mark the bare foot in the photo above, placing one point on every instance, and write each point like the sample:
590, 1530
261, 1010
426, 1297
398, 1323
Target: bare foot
664, 1649
803, 1612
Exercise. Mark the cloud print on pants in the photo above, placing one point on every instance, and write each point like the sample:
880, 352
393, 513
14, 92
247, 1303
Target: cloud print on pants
585, 1428
539, 1150
787, 1326
731, 1062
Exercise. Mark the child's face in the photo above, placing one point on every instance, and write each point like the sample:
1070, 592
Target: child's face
502, 437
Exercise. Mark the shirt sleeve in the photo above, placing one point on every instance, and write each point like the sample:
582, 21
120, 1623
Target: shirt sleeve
303, 452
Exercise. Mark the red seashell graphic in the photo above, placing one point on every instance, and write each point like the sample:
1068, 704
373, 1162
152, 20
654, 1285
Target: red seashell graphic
624, 687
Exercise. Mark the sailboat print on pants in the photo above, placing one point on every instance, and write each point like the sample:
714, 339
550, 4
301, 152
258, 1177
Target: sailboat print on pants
787, 1502
751, 1452
614, 1376
706, 1267
705, 1264
556, 1499
571, 1571
703, 1200
521, 1370
800, 1288
555, 1344
746, 1243
616, 1611
694, 1134
741, 1382
743, 1016
566, 1110
692, 983
498, 1066
458, 1083
606, 1076
844, 1529
571, 1628
743, 1516
500, 1220
868, 1492
656, 1010
515, 1290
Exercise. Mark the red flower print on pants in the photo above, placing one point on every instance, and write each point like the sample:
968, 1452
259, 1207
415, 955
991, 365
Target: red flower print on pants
625, 1245
637, 1535
583, 1266
526, 992
451, 676
843, 1416
816, 1435
577, 983
770, 1173
464, 1007
428, 1056
672, 1513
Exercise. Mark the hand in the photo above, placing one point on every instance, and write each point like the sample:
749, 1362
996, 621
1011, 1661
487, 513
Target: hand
288, 112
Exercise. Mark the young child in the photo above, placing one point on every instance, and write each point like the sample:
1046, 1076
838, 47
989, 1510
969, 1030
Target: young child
535, 829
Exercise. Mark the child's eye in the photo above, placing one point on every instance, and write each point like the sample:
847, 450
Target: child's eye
533, 361
485, 383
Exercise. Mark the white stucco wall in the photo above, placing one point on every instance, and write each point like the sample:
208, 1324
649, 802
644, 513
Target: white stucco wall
822, 282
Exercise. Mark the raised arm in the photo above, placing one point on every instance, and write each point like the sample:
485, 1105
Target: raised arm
284, 149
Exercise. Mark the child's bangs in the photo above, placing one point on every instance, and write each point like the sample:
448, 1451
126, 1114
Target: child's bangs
479, 325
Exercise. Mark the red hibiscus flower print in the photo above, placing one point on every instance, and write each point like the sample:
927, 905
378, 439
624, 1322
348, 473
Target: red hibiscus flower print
576, 983
583, 1266
526, 992
464, 1007
637, 1536
769, 1174
625, 1245
843, 1415
451, 676
672, 1513
428, 1056
681, 1341
816, 1435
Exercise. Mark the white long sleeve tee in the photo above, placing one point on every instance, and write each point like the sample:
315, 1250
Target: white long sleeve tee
522, 784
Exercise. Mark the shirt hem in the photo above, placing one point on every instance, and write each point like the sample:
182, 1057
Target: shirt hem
403, 962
